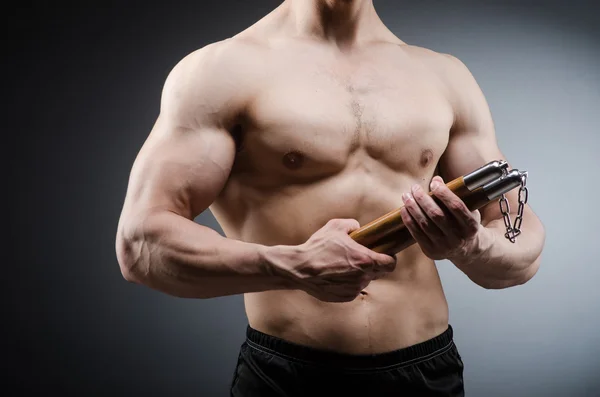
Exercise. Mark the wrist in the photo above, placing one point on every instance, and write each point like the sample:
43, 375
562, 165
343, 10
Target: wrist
278, 262
477, 250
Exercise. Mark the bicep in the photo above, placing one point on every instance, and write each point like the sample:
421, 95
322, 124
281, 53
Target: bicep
187, 158
180, 169
472, 141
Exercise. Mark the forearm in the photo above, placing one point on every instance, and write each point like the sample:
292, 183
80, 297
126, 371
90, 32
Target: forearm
497, 263
175, 255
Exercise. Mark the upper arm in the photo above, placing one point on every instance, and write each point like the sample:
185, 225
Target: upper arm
472, 140
187, 158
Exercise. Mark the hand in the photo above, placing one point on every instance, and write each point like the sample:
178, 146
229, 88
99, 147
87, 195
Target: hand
332, 267
443, 231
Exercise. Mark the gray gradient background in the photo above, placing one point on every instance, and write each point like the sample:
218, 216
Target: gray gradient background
83, 92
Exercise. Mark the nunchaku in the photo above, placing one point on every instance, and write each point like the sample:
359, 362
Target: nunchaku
388, 234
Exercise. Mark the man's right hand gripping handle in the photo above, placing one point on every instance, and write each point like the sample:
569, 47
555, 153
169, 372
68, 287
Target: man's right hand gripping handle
330, 265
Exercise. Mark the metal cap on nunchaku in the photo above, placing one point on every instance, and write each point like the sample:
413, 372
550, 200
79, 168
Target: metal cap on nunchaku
494, 179
490, 182
485, 174
514, 178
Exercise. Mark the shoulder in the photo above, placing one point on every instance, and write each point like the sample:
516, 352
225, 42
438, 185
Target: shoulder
455, 78
465, 96
215, 65
214, 79
446, 66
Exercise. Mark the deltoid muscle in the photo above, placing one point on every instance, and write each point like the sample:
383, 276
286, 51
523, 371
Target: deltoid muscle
387, 234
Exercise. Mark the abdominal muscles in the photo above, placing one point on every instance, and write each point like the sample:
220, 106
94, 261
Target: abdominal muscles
403, 308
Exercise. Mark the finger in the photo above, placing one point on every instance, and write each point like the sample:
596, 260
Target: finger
334, 293
381, 271
364, 284
338, 281
420, 237
347, 292
433, 211
387, 262
437, 179
423, 222
345, 225
376, 264
332, 298
383, 260
384, 267
380, 262
465, 220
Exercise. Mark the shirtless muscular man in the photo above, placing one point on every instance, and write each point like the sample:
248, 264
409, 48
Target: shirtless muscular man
294, 132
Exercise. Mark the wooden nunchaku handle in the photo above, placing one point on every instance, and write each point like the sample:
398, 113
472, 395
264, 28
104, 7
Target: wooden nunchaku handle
387, 234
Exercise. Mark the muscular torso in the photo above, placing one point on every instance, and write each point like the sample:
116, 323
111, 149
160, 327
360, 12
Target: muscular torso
326, 135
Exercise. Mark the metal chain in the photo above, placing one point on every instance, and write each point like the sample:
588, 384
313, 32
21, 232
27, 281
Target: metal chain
513, 230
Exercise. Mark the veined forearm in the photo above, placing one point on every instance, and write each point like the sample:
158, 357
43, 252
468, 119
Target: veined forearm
177, 256
498, 263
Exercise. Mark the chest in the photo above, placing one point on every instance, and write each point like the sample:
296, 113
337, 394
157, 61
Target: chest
313, 118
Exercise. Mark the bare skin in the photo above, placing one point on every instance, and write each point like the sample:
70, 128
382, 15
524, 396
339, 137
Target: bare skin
313, 121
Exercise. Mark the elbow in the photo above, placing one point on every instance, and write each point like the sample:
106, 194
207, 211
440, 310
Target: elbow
530, 271
495, 284
521, 278
129, 250
128, 263
129, 273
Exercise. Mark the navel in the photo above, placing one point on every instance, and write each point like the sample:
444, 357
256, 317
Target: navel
426, 157
293, 160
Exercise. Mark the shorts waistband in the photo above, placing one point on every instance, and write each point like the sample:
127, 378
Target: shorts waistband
405, 356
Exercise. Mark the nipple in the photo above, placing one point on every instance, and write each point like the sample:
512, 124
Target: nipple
293, 160
426, 157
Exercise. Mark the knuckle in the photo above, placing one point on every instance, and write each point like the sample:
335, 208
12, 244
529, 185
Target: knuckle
473, 227
363, 257
366, 263
456, 205
389, 264
334, 222
423, 223
436, 214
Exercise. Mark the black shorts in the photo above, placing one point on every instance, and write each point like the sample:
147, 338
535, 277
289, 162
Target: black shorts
268, 366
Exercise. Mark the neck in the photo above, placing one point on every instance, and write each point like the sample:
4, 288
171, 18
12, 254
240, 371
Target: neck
342, 21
